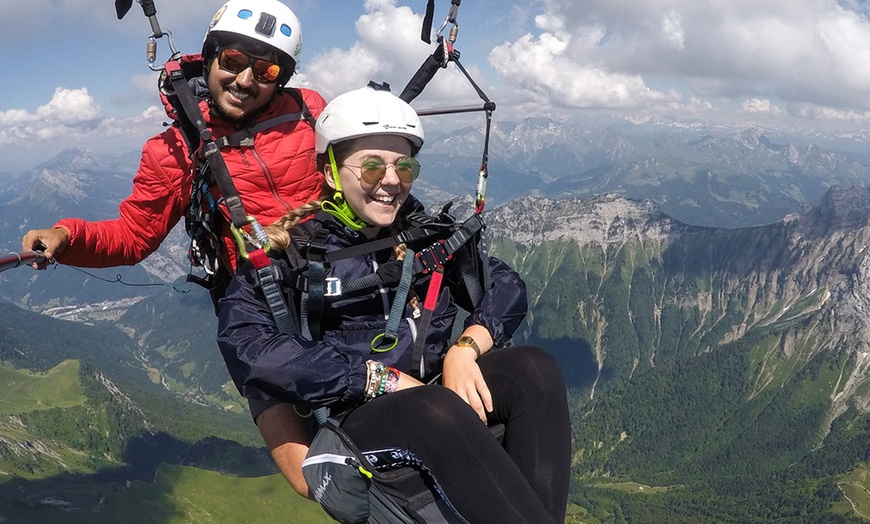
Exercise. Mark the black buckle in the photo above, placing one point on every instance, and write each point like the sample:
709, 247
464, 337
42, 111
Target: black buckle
433, 257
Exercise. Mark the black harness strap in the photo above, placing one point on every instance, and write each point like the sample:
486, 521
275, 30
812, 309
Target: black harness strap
426, 30
245, 136
314, 298
191, 111
417, 233
425, 260
267, 280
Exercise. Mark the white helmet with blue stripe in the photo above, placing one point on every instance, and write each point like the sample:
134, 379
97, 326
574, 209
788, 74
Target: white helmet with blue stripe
267, 21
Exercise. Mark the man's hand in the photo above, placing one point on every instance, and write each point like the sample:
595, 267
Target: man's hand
52, 242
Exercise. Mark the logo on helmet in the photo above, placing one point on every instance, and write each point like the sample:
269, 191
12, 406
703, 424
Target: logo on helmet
217, 16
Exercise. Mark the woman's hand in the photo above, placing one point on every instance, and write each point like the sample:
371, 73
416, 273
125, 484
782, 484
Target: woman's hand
463, 376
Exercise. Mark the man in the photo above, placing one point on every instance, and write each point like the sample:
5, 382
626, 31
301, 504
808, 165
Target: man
250, 51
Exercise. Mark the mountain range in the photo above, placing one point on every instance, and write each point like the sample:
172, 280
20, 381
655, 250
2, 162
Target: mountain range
717, 368
726, 368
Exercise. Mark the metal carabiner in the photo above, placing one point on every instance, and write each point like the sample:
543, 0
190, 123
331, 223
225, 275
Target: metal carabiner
151, 49
243, 239
450, 19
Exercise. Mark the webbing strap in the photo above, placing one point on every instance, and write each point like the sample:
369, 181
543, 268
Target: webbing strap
314, 298
470, 276
284, 318
440, 252
426, 318
303, 316
368, 281
391, 332
467, 230
245, 137
426, 30
425, 261
404, 237
190, 110
487, 273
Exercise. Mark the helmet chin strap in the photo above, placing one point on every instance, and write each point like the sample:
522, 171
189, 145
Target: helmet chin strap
338, 206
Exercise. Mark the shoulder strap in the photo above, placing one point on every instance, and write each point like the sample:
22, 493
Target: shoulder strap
191, 114
267, 280
303, 107
245, 136
314, 297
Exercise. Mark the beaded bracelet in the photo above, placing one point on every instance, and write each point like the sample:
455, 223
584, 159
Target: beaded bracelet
380, 379
375, 373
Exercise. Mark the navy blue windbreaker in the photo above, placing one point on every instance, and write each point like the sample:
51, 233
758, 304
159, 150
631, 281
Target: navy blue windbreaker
267, 364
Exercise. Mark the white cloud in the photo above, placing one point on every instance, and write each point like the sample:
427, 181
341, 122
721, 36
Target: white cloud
389, 49
552, 64
72, 118
68, 110
664, 55
756, 105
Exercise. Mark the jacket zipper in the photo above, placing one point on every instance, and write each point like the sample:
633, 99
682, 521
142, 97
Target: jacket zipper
270, 180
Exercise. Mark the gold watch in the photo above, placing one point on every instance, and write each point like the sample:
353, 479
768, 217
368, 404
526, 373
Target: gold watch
467, 342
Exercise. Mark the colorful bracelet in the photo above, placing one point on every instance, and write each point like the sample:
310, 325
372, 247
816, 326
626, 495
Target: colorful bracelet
392, 380
375, 372
380, 379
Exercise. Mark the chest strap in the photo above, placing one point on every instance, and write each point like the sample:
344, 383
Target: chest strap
245, 137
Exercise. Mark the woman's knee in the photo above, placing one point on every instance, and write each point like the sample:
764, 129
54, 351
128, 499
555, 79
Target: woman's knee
527, 372
438, 406
530, 361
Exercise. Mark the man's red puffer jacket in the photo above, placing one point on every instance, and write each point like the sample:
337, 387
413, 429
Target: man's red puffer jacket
277, 173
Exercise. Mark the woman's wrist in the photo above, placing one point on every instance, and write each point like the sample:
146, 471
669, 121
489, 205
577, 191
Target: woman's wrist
466, 341
380, 379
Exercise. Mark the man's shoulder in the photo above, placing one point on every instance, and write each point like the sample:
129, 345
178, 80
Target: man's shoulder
312, 99
168, 148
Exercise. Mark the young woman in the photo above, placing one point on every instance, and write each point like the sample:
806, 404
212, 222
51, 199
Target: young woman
358, 360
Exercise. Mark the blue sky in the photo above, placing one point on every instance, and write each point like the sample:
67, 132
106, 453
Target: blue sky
74, 75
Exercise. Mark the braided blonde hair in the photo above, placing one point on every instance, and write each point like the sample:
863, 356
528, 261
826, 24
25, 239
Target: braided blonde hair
279, 231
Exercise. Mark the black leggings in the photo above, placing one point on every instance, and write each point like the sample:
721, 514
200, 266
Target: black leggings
523, 480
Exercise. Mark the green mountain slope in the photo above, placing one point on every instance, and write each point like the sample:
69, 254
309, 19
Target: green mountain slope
176, 495
727, 365
27, 391
76, 434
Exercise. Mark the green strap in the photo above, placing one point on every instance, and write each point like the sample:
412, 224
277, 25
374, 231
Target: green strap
391, 332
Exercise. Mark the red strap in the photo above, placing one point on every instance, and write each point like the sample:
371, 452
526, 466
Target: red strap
172, 65
434, 287
259, 258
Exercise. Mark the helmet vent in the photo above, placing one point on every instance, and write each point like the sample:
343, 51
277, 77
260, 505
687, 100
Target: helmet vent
266, 25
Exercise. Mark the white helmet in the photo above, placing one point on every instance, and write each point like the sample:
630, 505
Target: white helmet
267, 21
367, 111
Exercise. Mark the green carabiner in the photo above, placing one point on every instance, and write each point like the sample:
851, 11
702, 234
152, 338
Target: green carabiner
258, 232
382, 350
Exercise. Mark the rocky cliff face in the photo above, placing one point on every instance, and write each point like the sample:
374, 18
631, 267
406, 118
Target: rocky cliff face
644, 287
